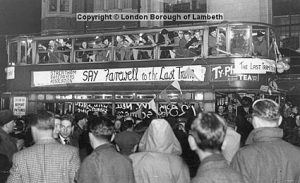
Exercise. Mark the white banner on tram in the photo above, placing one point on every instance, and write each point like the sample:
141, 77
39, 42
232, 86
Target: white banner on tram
254, 66
137, 74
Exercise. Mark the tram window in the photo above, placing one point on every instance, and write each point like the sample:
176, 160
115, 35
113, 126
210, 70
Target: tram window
240, 40
259, 41
145, 96
64, 5
128, 96
191, 44
41, 97
54, 51
103, 96
143, 45
82, 96
273, 50
217, 41
64, 97
49, 97
13, 54
93, 49
199, 96
52, 5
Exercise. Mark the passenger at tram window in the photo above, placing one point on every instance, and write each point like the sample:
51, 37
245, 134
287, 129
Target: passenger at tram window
84, 55
260, 45
65, 47
180, 50
43, 56
215, 46
194, 44
212, 41
239, 43
165, 39
53, 56
123, 51
146, 42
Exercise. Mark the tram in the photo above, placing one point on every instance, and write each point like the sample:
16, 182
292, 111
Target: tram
163, 71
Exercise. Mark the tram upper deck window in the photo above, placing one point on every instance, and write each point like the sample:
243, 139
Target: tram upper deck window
217, 41
259, 41
240, 40
135, 46
54, 51
26, 51
93, 49
13, 53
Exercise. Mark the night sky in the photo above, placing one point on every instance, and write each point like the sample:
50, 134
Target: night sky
17, 17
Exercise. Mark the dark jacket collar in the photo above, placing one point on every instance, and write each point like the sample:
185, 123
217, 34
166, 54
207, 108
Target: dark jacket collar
212, 162
264, 135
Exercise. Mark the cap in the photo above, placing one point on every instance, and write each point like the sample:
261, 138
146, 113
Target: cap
259, 34
6, 116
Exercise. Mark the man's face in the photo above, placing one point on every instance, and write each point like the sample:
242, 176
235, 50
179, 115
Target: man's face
66, 128
10, 126
260, 38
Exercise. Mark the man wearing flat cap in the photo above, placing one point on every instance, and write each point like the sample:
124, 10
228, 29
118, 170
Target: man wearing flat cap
8, 144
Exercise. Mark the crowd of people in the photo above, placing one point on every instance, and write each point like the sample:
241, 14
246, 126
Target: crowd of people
209, 147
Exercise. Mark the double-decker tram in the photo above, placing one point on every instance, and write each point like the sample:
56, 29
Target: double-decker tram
126, 72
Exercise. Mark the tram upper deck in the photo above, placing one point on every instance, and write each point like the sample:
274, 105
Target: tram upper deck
221, 40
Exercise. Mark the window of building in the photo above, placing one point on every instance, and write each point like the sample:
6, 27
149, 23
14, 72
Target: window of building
100, 5
60, 6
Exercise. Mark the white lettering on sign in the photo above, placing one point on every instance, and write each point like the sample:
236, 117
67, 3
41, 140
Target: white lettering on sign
141, 74
253, 66
19, 106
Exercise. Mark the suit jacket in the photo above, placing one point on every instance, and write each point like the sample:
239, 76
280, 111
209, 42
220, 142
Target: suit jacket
45, 162
72, 141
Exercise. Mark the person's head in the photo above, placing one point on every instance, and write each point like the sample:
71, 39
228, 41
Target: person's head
295, 109
265, 113
197, 34
213, 31
220, 109
42, 125
117, 124
7, 121
260, 36
127, 124
164, 32
56, 130
207, 132
180, 34
119, 38
81, 119
100, 131
66, 126
84, 44
246, 103
187, 36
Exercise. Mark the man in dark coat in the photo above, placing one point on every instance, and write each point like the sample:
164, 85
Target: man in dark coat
266, 157
105, 164
7, 123
207, 134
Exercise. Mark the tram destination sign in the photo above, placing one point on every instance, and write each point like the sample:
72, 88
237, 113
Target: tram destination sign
137, 74
254, 66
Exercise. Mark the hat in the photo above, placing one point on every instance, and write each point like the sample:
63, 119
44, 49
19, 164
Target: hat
259, 34
6, 116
